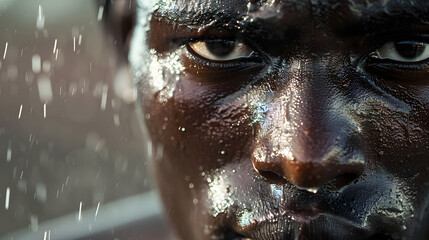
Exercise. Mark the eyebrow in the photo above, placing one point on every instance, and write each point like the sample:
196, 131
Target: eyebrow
401, 17
228, 19
198, 18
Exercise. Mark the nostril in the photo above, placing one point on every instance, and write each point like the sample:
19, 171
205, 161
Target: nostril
272, 177
380, 236
343, 180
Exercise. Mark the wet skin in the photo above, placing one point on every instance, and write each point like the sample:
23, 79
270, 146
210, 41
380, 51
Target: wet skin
317, 127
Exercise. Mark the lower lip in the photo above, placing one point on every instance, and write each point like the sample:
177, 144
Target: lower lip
304, 226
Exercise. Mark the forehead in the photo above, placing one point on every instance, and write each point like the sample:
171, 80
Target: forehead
243, 6
296, 11
346, 18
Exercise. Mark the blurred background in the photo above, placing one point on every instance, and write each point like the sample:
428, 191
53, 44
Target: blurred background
72, 153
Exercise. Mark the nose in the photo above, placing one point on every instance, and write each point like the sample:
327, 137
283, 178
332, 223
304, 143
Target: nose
308, 138
308, 170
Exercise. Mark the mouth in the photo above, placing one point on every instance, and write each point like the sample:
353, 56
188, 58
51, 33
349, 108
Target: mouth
322, 226
230, 234
233, 235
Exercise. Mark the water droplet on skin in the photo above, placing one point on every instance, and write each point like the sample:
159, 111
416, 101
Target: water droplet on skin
311, 190
191, 185
222, 152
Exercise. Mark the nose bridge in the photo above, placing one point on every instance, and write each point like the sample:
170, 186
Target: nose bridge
304, 136
310, 110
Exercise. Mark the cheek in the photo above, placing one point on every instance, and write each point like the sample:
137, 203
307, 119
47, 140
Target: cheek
395, 131
197, 125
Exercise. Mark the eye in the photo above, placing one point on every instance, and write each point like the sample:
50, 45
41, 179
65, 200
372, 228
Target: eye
221, 50
403, 51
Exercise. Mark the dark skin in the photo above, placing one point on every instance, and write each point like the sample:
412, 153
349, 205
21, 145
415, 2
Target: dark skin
288, 119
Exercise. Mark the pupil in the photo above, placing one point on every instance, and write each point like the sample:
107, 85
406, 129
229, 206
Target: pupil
220, 48
409, 50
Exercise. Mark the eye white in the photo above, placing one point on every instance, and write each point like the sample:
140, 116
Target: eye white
240, 50
390, 51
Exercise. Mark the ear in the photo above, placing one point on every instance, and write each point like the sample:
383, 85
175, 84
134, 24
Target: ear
120, 16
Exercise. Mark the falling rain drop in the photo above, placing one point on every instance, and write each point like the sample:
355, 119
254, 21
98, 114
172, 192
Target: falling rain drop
9, 153
40, 24
80, 212
6, 203
36, 63
5, 50
41, 192
149, 149
45, 89
46, 66
55, 46
116, 120
34, 223
100, 13
20, 112
104, 97
96, 210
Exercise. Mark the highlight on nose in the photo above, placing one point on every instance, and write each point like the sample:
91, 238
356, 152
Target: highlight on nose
307, 170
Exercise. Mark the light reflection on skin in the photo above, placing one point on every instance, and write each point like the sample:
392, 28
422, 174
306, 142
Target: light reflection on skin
164, 73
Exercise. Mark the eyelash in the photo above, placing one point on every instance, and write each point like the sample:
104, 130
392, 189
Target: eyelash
379, 42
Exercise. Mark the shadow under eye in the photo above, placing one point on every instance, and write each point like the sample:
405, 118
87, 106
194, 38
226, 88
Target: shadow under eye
399, 72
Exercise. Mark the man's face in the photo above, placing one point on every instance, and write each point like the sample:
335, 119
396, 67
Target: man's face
288, 119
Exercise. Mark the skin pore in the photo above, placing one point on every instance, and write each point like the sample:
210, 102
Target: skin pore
288, 119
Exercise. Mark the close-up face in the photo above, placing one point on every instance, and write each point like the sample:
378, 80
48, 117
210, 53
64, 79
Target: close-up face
287, 119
